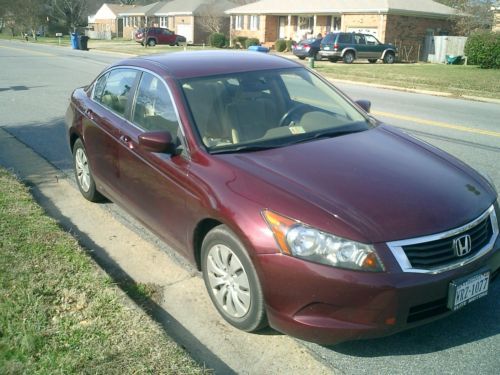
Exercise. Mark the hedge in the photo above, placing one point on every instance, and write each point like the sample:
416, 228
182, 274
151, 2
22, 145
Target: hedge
483, 49
217, 40
239, 41
280, 45
251, 42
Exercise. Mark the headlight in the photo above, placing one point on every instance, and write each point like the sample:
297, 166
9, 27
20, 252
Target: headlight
301, 241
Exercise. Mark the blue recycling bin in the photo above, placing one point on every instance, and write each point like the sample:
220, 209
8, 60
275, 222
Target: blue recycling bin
74, 40
258, 49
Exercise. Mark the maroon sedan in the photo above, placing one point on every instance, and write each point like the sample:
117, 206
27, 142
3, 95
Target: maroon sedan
301, 210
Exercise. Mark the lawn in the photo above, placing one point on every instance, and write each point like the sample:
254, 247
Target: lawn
455, 79
58, 313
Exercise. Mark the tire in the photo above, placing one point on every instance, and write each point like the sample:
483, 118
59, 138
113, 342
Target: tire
151, 42
231, 280
332, 60
348, 57
372, 61
83, 173
389, 58
301, 57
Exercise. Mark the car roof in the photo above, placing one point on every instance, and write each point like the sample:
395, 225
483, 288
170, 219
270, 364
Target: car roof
181, 65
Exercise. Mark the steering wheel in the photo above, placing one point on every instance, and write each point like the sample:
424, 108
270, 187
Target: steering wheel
292, 111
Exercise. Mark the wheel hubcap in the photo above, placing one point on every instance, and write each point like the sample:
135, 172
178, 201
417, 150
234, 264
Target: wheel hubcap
82, 170
228, 281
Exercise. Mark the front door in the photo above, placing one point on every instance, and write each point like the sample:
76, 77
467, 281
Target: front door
282, 27
154, 185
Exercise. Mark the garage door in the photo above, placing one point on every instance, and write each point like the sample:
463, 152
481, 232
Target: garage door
186, 31
363, 30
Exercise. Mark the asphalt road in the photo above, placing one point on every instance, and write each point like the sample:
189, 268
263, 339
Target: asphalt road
35, 84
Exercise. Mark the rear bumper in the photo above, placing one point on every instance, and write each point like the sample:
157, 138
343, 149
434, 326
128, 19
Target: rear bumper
326, 305
330, 54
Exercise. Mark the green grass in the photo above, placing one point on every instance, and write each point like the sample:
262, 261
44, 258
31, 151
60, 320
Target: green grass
58, 313
455, 79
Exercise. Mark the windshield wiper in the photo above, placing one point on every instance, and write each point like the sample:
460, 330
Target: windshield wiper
326, 134
248, 148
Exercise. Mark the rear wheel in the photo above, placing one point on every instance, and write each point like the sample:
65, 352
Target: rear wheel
232, 281
348, 57
302, 57
83, 174
151, 42
372, 61
389, 58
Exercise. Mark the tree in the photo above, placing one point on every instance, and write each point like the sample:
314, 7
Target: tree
473, 15
25, 15
73, 13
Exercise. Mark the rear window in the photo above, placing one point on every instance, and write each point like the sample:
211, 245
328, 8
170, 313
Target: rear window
329, 38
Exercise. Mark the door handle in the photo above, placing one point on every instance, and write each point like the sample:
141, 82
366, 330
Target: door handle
90, 114
126, 139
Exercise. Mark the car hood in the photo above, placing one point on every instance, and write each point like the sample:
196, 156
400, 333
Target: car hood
382, 183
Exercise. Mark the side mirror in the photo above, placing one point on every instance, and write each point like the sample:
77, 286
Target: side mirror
364, 104
157, 142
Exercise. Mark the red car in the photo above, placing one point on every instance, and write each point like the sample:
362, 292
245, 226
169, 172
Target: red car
158, 35
301, 210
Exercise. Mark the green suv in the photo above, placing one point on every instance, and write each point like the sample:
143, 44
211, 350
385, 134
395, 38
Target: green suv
351, 46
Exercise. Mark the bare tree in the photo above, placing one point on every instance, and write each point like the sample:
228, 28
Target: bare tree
24, 15
72, 12
473, 15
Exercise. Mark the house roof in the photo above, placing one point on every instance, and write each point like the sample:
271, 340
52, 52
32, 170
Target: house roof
118, 8
146, 10
194, 7
421, 7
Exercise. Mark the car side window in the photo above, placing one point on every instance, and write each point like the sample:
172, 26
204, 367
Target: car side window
344, 38
371, 40
167, 32
359, 39
154, 110
99, 88
116, 94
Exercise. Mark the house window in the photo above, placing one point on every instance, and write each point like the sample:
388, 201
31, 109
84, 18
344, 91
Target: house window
238, 22
253, 22
306, 23
164, 22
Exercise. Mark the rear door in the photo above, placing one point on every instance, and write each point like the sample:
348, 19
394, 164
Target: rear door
360, 46
104, 116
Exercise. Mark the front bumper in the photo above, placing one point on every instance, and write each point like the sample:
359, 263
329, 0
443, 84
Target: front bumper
328, 305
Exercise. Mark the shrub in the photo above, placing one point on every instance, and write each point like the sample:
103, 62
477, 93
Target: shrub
280, 45
239, 41
289, 44
217, 40
251, 42
483, 49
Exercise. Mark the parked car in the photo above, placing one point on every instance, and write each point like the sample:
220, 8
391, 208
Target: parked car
351, 46
158, 35
307, 48
301, 210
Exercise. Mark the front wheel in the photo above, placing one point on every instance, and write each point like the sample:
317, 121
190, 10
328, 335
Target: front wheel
302, 57
232, 281
151, 42
83, 174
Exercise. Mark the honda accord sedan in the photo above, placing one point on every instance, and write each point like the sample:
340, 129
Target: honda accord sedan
301, 210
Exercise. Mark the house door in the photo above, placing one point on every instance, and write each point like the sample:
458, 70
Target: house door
120, 28
282, 27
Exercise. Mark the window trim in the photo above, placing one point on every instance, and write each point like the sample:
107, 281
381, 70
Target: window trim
131, 105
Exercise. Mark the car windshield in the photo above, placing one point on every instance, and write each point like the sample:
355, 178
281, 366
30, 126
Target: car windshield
251, 111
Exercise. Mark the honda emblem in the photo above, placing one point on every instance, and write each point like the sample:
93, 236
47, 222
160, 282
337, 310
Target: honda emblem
462, 245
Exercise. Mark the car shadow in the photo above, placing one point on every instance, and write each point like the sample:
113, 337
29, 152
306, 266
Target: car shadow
474, 322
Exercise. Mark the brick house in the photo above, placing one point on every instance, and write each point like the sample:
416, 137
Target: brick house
106, 23
192, 18
140, 16
496, 19
401, 22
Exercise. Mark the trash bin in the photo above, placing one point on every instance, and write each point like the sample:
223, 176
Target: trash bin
82, 42
258, 49
74, 40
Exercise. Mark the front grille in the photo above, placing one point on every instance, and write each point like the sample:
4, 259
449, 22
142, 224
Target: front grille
427, 310
440, 252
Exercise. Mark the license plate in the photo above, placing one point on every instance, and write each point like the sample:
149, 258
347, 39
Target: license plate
299, 47
465, 290
326, 47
